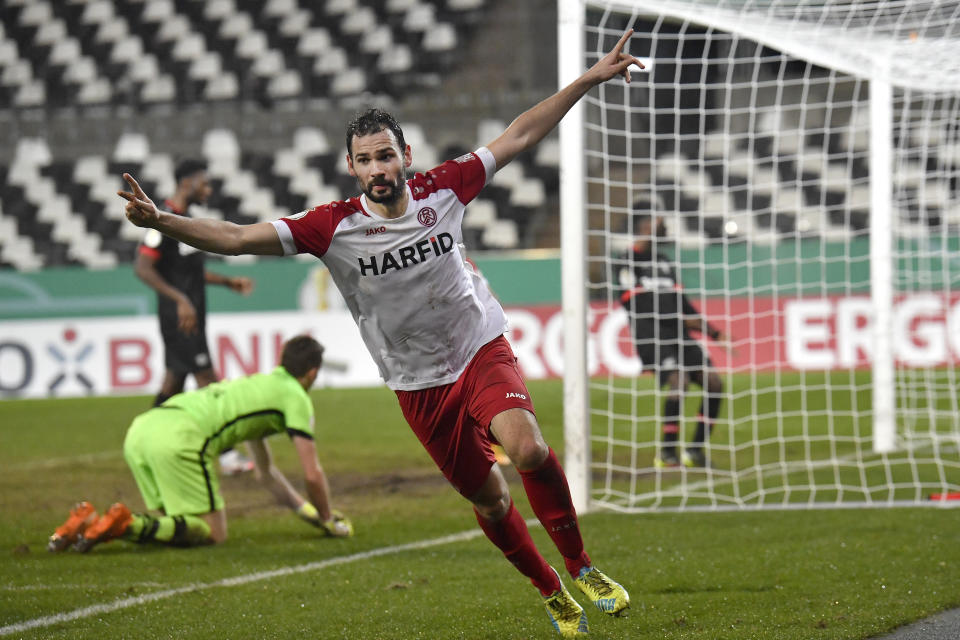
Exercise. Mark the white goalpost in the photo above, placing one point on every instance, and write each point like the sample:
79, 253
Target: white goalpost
805, 157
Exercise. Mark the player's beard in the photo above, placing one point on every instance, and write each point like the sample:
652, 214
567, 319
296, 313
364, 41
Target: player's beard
392, 195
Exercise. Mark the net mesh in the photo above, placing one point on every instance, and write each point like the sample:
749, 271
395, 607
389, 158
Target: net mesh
750, 134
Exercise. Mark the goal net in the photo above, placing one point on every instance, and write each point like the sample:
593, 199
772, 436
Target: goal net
805, 160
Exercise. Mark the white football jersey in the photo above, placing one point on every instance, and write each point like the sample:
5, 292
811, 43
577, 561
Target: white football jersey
423, 312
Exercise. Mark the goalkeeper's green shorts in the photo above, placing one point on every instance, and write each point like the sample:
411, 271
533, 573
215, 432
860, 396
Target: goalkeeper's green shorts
164, 451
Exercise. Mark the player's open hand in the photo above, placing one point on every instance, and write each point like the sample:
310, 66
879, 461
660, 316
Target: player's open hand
140, 209
615, 63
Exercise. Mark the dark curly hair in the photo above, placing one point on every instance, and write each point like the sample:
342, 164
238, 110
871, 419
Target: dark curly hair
373, 121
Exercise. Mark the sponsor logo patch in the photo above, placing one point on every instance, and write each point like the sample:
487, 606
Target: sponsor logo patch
511, 394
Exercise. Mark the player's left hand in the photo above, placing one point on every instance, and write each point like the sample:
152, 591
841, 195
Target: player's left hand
616, 62
241, 285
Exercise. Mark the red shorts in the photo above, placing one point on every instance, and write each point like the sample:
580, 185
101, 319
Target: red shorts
453, 421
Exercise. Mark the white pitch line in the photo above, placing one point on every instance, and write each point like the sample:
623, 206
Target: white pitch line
64, 461
70, 587
125, 603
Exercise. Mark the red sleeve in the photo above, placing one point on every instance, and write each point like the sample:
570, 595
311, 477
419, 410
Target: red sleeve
313, 230
150, 252
465, 176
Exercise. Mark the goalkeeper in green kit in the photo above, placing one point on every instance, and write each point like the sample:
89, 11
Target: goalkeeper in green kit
172, 451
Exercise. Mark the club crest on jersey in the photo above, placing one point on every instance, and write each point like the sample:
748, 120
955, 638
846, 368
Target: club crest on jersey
375, 230
406, 256
427, 217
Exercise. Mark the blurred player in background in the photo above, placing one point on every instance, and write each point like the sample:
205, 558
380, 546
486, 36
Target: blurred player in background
661, 321
434, 329
171, 451
177, 273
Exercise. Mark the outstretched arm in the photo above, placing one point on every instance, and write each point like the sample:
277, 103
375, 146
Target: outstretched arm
215, 236
532, 125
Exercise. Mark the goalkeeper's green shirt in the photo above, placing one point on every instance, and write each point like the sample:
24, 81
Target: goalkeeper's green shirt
247, 408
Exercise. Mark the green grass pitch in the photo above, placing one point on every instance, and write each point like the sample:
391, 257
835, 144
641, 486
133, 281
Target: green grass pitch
784, 574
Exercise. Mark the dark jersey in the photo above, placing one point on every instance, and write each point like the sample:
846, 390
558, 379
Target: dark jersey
652, 295
183, 268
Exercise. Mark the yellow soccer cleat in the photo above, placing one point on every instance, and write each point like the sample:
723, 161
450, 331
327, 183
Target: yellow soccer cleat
566, 615
609, 596
81, 516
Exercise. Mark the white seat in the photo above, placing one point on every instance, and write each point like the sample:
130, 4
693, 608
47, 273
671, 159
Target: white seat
285, 85
359, 22
205, 66
528, 193
65, 51
295, 22
501, 234
213, 9
144, 68
126, 49
441, 37
95, 91
220, 143
378, 39
36, 13
268, 64
190, 46
330, 61
30, 94
279, 8
480, 214
252, 45
132, 147
236, 25
395, 59
222, 87
80, 71
159, 89
173, 28
51, 32
97, 11
347, 82
314, 42
158, 10
419, 18
310, 141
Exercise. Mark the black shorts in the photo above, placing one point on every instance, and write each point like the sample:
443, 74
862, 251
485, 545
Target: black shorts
184, 353
665, 356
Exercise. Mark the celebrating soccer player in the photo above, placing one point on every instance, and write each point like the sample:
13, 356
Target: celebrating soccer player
432, 325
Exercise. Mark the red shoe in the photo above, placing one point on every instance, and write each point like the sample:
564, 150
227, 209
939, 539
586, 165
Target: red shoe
111, 525
81, 516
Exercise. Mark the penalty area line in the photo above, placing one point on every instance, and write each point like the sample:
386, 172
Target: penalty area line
125, 603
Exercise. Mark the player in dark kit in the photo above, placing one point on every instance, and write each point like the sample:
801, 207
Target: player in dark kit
177, 272
662, 321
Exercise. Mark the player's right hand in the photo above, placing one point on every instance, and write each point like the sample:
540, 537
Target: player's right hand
186, 316
140, 209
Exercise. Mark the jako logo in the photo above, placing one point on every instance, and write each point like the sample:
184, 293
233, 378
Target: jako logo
516, 395
406, 256
375, 230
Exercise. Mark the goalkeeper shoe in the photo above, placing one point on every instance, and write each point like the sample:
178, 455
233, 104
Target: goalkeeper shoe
565, 613
694, 457
233, 462
110, 525
668, 458
609, 596
81, 516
